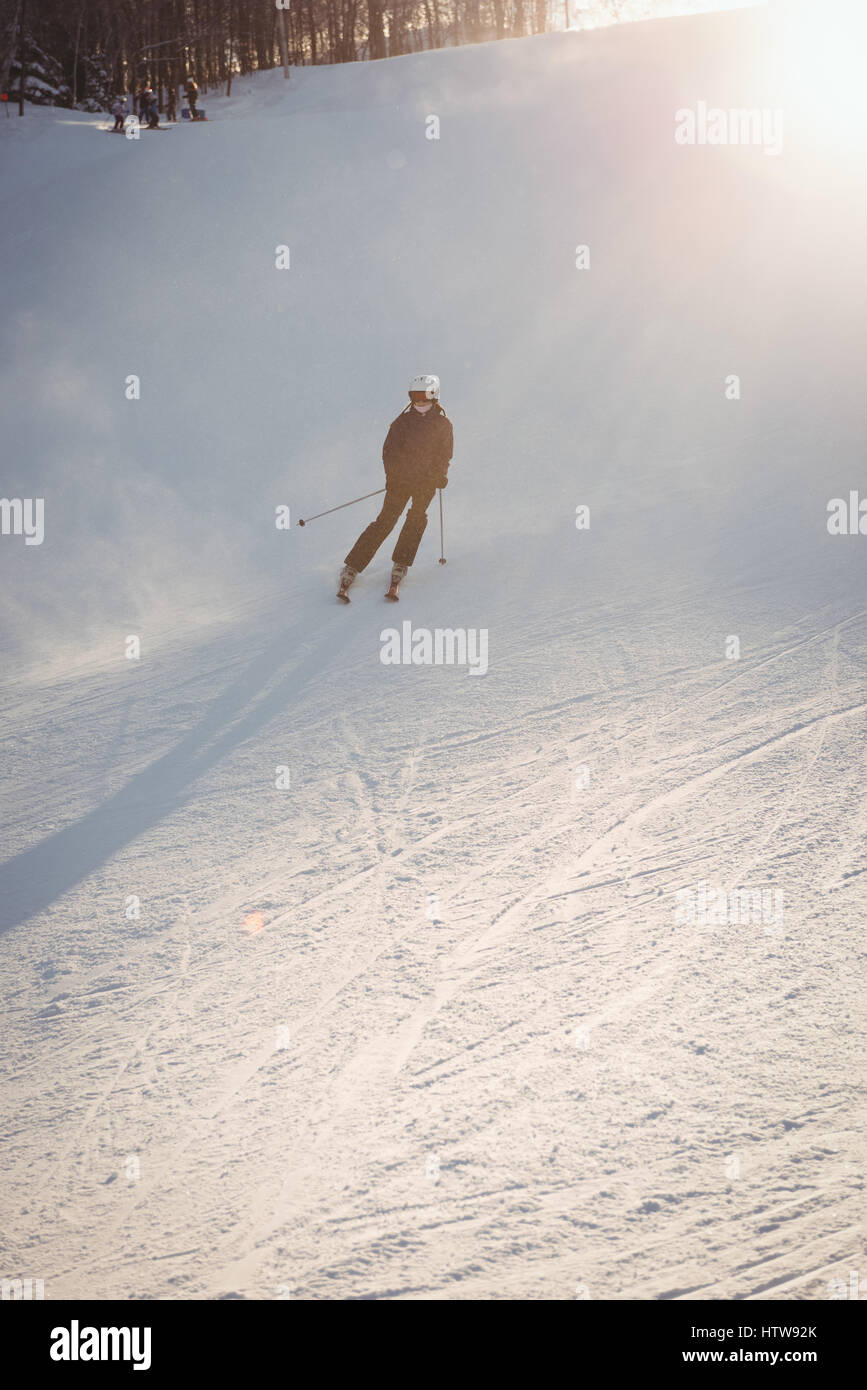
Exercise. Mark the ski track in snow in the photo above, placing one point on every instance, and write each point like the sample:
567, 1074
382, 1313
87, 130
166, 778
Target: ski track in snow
406, 1042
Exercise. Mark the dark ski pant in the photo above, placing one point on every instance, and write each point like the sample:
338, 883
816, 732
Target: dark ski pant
396, 497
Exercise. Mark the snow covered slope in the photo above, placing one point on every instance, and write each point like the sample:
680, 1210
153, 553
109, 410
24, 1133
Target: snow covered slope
432, 1021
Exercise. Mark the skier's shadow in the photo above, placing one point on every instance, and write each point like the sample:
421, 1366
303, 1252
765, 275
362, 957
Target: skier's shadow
35, 878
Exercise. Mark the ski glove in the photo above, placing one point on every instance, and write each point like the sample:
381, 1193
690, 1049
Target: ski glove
443, 481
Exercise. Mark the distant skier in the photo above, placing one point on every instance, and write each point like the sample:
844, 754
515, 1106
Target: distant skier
118, 110
416, 455
172, 104
192, 97
151, 109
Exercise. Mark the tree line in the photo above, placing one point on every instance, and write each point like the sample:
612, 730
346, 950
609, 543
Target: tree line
80, 52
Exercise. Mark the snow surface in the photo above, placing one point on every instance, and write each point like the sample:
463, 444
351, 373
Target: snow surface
425, 1024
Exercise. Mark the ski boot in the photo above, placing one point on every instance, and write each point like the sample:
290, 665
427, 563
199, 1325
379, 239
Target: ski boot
348, 577
398, 573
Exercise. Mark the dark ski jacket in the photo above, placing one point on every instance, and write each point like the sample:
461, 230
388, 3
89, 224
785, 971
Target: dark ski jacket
418, 447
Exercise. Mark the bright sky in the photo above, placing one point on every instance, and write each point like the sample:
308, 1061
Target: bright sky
817, 61
589, 13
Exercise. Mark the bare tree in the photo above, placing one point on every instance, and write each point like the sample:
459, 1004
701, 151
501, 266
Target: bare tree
165, 41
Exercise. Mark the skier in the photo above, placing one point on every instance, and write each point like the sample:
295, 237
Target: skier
192, 97
151, 109
172, 104
416, 456
118, 108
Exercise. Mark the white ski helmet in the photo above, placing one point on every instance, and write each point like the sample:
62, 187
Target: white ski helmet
429, 384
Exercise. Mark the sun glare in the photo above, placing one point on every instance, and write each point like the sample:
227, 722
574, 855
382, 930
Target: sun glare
822, 47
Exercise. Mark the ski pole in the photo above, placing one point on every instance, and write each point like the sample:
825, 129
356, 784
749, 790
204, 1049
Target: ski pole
342, 505
442, 556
